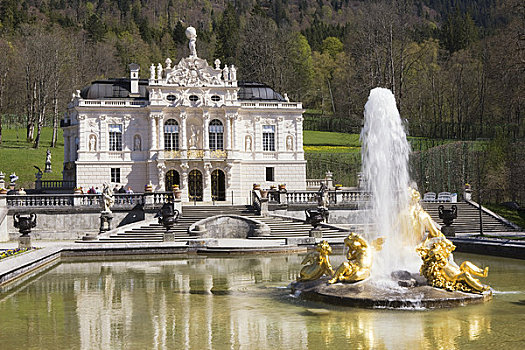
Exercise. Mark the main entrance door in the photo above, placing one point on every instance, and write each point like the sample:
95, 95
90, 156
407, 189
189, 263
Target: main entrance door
218, 185
172, 178
195, 185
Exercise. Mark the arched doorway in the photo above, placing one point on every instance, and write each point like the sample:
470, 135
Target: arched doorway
218, 185
195, 185
172, 178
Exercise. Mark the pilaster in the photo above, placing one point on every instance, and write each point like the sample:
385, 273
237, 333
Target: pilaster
207, 182
206, 134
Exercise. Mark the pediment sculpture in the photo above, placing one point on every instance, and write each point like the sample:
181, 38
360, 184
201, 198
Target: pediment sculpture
194, 71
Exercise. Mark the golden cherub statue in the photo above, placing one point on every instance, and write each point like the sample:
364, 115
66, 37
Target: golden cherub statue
441, 271
359, 256
319, 263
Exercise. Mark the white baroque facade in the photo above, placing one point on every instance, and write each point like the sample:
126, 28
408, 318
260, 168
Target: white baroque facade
191, 124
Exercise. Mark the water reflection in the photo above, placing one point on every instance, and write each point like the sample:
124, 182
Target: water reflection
233, 303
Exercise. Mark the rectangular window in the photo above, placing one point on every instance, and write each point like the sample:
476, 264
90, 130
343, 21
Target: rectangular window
269, 174
115, 137
268, 138
115, 174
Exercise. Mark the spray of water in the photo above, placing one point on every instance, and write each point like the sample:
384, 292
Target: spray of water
385, 152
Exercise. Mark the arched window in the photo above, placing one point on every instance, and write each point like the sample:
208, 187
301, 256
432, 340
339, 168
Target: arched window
171, 135
216, 131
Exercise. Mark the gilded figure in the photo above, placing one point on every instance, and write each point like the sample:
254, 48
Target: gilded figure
441, 271
319, 263
359, 259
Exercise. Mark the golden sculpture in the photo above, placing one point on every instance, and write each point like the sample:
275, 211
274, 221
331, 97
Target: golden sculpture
441, 271
359, 256
319, 263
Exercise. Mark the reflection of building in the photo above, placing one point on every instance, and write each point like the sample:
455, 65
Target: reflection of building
192, 125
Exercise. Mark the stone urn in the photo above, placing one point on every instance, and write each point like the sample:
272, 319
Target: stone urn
448, 216
168, 216
282, 187
148, 188
24, 223
3, 190
256, 187
176, 191
264, 193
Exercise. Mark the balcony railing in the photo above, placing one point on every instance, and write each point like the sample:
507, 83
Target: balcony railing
195, 154
337, 197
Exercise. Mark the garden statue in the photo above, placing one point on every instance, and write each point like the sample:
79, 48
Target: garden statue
319, 263
47, 169
359, 259
107, 197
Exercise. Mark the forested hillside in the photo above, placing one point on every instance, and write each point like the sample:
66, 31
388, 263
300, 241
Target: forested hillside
457, 68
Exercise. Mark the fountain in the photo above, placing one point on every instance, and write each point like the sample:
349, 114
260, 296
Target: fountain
383, 273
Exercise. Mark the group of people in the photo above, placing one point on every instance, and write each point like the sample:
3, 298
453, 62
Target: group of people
116, 189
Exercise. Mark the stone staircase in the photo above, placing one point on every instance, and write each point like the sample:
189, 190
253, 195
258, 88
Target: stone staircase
468, 218
280, 227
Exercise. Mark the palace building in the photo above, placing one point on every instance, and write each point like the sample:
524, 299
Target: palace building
191, 124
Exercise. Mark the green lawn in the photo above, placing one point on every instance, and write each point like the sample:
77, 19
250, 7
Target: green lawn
512, 215
18, 156
325, 138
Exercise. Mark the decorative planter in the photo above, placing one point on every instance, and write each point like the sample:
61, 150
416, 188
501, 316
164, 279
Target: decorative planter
264, 193
256, 186
148, 188
78, 191
177, 193
3, 191
282, 187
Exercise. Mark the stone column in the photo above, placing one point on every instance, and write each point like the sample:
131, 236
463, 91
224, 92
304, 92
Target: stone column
184, 182
152, 133
103, 142
280, 136
161, 136
207, 183
228, 134
183, 135
206, 134
127, 138
299, 153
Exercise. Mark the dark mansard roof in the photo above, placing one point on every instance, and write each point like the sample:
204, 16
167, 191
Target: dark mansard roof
257, 92
120, 88
113, 88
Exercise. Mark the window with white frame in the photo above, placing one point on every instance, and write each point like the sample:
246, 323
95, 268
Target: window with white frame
216, 131
268, 138
115, 175
171, 135
115, 137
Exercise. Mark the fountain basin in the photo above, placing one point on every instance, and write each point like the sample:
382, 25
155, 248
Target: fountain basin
369, 295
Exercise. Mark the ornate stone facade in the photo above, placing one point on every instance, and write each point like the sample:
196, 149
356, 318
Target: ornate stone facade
192, 125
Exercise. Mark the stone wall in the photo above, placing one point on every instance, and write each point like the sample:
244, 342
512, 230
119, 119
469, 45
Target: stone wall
67, 225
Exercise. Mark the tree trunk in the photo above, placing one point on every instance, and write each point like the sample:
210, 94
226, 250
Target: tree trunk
55, 116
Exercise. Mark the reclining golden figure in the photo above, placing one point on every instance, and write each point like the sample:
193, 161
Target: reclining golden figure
319, 263
441, 271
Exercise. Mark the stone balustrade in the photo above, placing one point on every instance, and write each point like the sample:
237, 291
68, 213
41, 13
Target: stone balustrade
123, 201
337, 197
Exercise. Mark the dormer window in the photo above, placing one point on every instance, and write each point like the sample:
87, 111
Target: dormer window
215, 98
194, 98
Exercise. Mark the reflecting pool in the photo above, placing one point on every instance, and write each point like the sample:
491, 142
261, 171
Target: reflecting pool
237, 303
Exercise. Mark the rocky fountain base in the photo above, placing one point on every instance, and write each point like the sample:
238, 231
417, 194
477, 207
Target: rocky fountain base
366, 294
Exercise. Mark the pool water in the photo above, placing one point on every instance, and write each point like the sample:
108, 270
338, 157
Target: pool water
238, 303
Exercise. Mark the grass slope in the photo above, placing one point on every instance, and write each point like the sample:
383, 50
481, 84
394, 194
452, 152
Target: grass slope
17, 156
